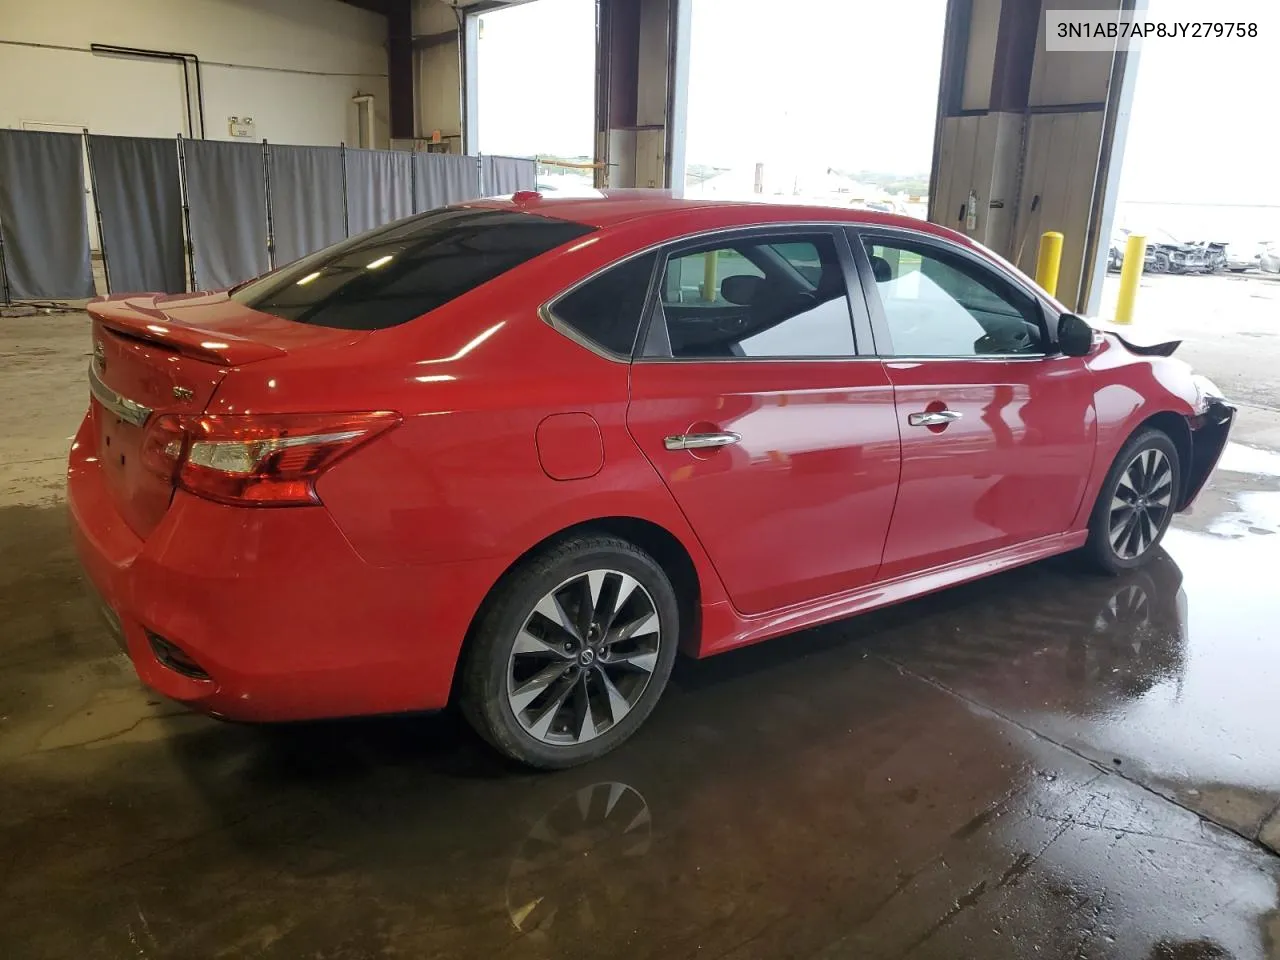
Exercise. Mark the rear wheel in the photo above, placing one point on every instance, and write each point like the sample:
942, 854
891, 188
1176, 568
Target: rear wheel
572, 653
1136, 503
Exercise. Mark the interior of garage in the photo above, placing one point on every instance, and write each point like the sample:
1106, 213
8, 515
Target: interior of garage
1042, 764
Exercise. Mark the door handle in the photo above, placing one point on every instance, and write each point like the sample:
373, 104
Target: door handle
700, 441
934, 418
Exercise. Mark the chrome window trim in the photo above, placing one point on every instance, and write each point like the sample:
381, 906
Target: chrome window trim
563, 328
986, 357
869, 358
546, 311
836, 359
1015, 280
128, 410
802, 227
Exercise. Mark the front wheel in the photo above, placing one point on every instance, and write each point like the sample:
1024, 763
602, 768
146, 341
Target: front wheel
572, 653
1135, 504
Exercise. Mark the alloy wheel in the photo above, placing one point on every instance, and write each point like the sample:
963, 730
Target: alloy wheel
1141, 503
583, 657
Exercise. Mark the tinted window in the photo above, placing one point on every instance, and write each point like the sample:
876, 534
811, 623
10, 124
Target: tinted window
395, 273
758, 297
940, 305
607, 309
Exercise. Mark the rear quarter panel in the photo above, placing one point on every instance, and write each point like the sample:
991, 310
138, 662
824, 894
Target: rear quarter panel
460, 478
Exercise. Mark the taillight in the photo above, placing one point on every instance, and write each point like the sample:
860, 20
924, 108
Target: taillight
258, 460
162, 446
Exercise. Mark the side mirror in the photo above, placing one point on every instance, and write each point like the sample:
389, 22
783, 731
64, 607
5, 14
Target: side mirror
1075, 336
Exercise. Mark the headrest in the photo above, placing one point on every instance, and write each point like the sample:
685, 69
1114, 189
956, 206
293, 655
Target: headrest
881, 269
740, 290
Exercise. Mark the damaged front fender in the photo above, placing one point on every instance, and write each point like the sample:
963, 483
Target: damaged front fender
1210, 427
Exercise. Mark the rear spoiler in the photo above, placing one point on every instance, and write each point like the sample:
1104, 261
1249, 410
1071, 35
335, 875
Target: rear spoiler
1140, 341
136, 319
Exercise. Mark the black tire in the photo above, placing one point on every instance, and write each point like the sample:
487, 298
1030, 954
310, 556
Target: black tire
1100, 549
488, 684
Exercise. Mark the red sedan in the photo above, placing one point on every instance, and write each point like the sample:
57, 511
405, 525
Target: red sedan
516, 453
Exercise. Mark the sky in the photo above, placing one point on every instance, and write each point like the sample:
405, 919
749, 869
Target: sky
853, 84
1206, 115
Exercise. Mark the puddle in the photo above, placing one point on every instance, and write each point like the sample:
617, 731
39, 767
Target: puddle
1258, 513
1238, 458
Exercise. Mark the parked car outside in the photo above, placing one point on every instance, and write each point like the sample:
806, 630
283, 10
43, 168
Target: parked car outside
1115, 253
1167, 254
1269, 258
1242, 256
517, 453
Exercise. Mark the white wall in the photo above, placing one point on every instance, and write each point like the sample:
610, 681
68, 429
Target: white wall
436, 73
980, 58
292, 65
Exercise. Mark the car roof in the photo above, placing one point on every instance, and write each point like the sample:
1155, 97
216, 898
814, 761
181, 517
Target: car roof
609, 208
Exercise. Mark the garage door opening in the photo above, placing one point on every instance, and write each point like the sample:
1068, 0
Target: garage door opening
834, 103
535, 78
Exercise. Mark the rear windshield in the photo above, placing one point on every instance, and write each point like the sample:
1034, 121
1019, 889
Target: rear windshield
400, 271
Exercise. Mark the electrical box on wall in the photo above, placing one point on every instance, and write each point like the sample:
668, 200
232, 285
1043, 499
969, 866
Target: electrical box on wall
241, 127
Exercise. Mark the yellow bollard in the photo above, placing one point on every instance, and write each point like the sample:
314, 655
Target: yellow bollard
1135, 251
1048, 262
709, 283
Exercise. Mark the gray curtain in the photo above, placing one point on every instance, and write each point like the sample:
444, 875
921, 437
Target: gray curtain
42, 216
444, 178
306, 199
135, 181
506, 175
379, 188
228, 202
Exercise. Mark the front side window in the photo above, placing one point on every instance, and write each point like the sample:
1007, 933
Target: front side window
397, 272
757, 297
937, 304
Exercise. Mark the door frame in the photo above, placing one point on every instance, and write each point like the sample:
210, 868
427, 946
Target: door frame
863, 336
858, 233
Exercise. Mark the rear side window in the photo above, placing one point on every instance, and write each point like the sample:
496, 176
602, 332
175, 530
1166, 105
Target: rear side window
606, 309
758, 297
395, 273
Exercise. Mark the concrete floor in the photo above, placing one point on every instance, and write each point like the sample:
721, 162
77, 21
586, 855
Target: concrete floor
1043, 764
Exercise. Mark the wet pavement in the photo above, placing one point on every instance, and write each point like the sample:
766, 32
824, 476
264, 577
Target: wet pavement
1043, 764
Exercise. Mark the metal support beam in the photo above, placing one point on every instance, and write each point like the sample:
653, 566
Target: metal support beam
1015, 55
642, 54
400, 68
468, 62
678, 94
1124, 76
427, 41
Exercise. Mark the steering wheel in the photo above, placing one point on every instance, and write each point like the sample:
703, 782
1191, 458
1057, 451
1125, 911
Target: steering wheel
1018, 341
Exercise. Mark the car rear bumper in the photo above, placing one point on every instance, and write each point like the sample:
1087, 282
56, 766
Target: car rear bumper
282, 618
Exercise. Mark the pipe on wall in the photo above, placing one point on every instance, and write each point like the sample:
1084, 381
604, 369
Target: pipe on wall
177, 57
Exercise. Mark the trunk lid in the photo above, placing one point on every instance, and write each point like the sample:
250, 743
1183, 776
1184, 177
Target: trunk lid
158, 355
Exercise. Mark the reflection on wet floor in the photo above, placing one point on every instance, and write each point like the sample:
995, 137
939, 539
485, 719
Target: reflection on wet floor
1042, 764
